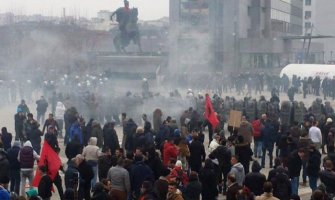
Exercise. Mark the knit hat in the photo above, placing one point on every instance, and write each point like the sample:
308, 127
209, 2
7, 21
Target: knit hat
179, 163
329, 120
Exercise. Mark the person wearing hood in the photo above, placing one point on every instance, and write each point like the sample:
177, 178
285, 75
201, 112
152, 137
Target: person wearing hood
255, 180
27, 157
237, 170
91, 154
6, 138
59, 117
14, 167
174, 193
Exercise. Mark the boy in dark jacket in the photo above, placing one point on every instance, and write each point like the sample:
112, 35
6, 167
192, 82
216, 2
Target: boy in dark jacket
14, 167
313, 166
294, 168
45, 185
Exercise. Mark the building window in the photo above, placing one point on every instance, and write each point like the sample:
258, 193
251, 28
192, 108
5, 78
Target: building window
308, 2
308, 25
308, 14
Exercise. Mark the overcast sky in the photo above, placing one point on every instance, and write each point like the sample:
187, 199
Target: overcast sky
148, 9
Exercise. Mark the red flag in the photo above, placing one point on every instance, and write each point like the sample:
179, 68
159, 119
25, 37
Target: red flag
210, 113
50, 159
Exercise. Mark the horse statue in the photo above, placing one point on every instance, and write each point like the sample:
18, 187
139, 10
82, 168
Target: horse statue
129, 31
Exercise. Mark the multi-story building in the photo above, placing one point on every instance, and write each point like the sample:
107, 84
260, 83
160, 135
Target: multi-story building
237, 33
318, 20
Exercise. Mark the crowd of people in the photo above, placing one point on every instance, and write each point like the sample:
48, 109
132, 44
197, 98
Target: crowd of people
167, 160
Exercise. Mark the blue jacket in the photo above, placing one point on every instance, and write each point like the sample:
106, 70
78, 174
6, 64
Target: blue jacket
140, 172
4, 194
269, 134
75, 130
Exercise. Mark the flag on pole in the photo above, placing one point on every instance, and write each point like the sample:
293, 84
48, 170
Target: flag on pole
210, 113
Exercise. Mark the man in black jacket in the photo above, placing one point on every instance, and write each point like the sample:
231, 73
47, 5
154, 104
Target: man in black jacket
14, 167
313, 166
327, 177
294, 168
223, 155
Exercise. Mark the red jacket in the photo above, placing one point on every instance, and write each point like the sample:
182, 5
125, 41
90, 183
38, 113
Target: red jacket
169, 151
178, 173
257, 126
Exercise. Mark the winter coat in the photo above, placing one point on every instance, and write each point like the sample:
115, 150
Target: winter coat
180, 176
155, 164
45, 187
281, 184
72, 149
97, 132
197, 155
161, 188
208, 179
269, 135
238, 171
60, 111
42, 106
76, 133
294, 164
232, 191
86, 173
12, 154
313, 163
193, 190
91, 152
327, 177
104, 164
6, 139
223, 154
254, 181
139, 172
35, 138
51, 138
257, 126
4, 194
169, 151
246, 131
4, 164
71, 176
110, 139
27, 156
130, 130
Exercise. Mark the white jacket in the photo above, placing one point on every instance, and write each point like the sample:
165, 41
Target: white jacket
60, 110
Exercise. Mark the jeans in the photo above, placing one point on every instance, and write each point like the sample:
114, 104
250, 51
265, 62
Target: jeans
24, 175
94, 166
295, 185
15, 180
258, 145
313, 181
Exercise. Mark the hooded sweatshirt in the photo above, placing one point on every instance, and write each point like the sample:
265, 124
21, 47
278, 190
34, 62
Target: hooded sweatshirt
238, 171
